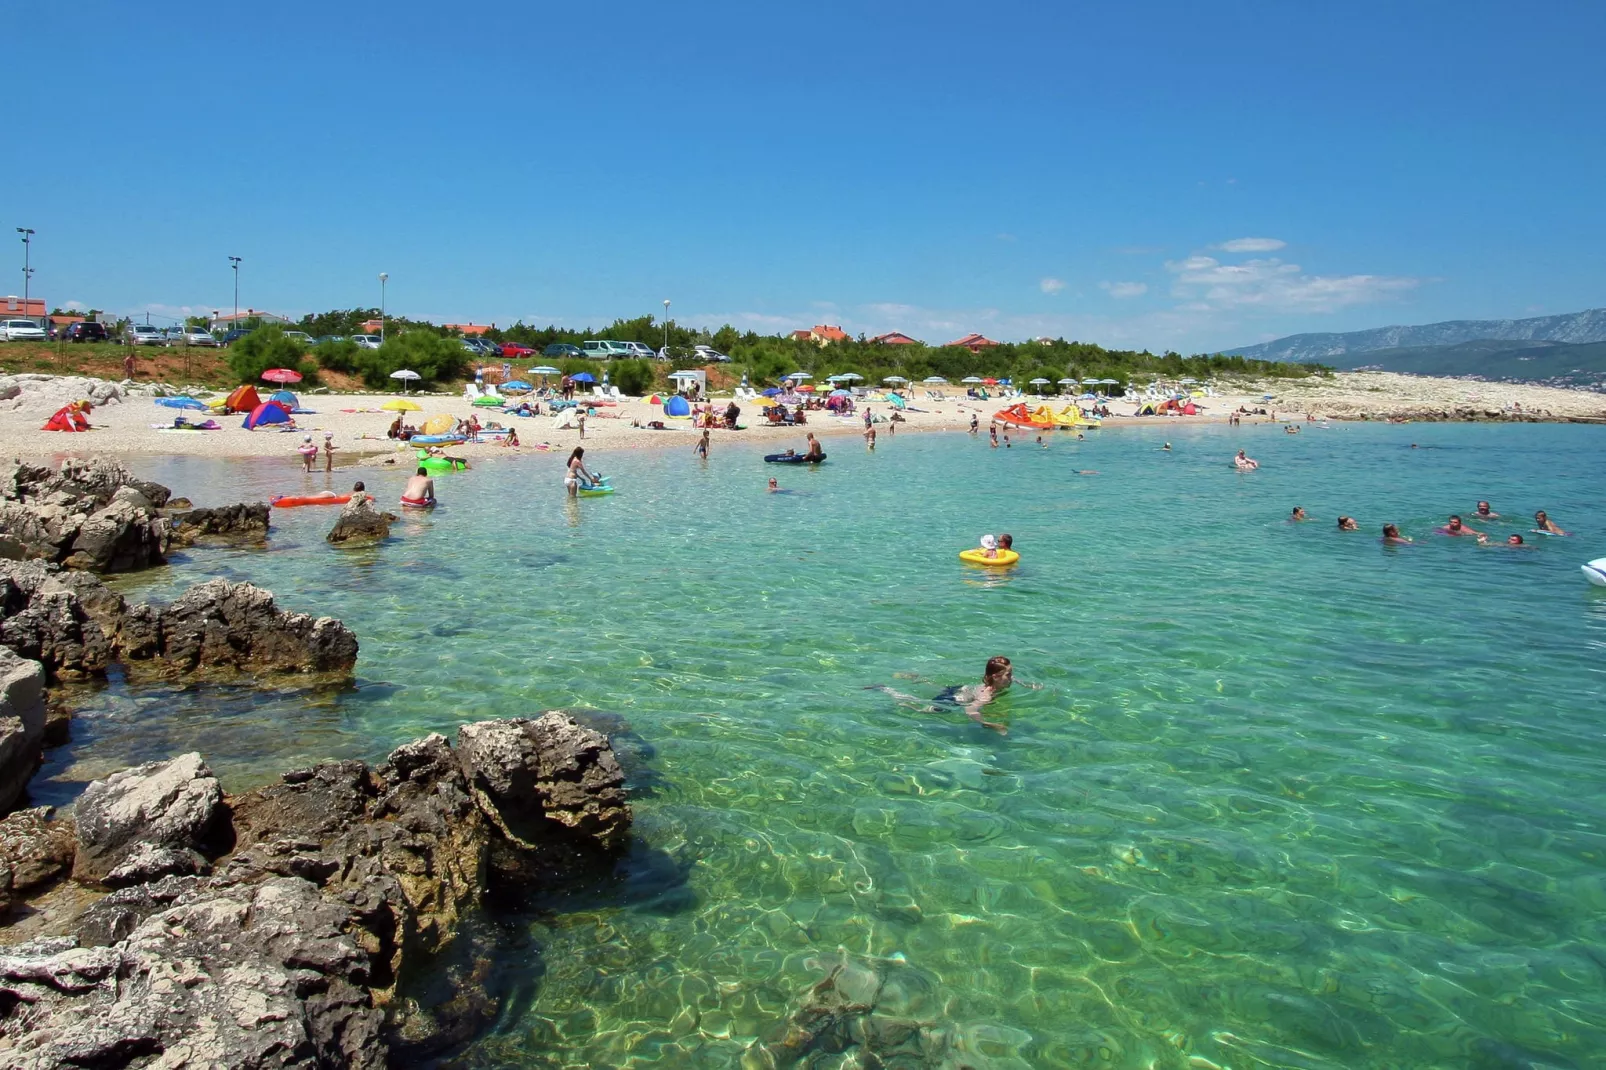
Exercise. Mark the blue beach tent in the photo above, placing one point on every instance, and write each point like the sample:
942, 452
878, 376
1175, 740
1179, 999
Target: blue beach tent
267, 413
675, 405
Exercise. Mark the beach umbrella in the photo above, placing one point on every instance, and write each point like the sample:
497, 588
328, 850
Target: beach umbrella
894, 379
992, 382
840, 394
406, 376
1039, 382
771, 392
182, 401
281, 375
1189, 380
584, 377
516, 384
800, 375
806, 389
850, 377
543, 370
968, 379
402, 405
935, 379
1067, 382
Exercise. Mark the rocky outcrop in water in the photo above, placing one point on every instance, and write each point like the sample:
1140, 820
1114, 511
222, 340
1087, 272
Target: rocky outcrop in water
224, 524
76, 627
22, 723
148, 822
91, 515
360, 522
534, 777
343, 881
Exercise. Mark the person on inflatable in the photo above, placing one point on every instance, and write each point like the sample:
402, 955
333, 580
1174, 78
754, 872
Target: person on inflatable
1245, 463
814, 451
1545, 524
420, 491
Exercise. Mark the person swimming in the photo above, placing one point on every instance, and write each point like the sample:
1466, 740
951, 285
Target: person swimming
1483, 512
1454, 526
1167, 448
1347, 523
1392, 536
997, 677
1545, 524
1298, 514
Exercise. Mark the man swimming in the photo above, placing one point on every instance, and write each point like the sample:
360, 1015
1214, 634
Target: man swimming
1298, 514
1454, 527
1392, 536
1483, 512
1347, 523
1545, 524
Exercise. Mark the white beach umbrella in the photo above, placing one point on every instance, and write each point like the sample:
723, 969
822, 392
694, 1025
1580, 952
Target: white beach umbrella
405, 376
849, 377
800, 375
542, 370
1067, 382
935, 379
1038, 382
971, 379
894, 379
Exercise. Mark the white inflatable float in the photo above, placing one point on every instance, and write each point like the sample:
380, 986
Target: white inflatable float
1595, 571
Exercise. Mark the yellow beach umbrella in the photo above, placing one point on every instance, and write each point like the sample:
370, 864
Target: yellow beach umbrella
402, 405
439, 425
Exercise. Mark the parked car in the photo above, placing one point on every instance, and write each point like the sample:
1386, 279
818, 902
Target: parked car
235, 335
86, 331
366, 341
322, 338
562, 351
143, 334
605, 350
191, 336
486, 348
710, 355
638, 350
21, 331
303, 337
516, 351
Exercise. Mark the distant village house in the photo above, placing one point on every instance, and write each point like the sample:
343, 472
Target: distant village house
973, 342
895, 338
227, 320
821, 334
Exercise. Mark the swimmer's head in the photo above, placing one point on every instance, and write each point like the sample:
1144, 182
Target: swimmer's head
1391, 531
358, 487
422, 471
999, 673
1455, 522
1515, 540
773, 483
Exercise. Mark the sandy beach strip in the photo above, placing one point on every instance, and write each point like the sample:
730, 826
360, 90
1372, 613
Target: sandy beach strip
358, 424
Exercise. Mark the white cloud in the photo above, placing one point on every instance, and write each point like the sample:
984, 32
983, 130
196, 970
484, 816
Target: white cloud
75, 306
1271, 285
1051, 286
1253, 245
1124, 289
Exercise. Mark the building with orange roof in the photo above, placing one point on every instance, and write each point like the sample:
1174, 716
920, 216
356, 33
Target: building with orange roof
821, 334
32, 308
895, 338
469, 330
973, 342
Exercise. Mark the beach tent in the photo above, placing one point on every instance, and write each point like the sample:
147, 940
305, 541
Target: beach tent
266, 415
896, 401
566, 418
439, 424
70, 417
285, 397
676, 405
244, 399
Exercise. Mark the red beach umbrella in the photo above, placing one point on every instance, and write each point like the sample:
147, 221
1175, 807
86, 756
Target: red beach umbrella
989, 382
281, 375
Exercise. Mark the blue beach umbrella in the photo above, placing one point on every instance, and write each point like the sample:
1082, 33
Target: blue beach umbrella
516, 384
584, 377
772, 392
183, 401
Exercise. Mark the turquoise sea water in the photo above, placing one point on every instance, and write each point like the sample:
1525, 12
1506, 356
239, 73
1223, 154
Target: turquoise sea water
1285, 797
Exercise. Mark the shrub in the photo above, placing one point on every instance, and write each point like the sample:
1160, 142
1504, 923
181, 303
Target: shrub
264, 348
337, 356
633, 377
434, 359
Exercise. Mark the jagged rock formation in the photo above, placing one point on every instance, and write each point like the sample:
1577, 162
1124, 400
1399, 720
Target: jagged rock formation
75, 627
360, 522
342, 881
227, 523
145, 823
531, 774
22, 723
34, 851
90, 514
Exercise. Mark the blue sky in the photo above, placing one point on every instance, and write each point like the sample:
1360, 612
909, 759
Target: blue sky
1171, 175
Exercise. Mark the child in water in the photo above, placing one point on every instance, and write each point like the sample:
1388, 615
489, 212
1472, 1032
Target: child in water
308, 451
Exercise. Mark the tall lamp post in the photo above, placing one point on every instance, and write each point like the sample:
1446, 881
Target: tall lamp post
666, 326
234, 262
27, 271
383, 277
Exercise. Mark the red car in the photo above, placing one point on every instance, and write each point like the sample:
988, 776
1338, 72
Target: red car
513, 349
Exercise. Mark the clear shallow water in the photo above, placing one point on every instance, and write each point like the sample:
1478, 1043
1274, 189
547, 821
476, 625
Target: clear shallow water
1285, 798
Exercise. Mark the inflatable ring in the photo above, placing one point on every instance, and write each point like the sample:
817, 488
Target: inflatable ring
979, 557
286, 501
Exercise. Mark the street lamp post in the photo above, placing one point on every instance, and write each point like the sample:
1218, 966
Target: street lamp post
666, 326
27, 271
234, 262
383, 277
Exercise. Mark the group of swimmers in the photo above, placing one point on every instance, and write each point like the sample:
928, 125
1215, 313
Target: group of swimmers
1454, 527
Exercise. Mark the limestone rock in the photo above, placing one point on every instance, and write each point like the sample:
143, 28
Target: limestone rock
242, 522
22, 723
242, 976
237, 626
34, 851
360, 522
172, 804
88, 514
44, 619
149, 862
545, 777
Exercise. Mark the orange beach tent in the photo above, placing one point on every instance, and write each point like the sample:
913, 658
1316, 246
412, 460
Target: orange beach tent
244, 399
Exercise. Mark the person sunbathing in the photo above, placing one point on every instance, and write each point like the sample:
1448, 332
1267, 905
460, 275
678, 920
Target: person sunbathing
1246, 463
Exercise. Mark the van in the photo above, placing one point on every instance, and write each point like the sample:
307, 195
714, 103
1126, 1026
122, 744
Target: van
595, 350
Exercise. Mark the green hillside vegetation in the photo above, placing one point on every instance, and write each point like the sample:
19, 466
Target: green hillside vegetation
1558, 363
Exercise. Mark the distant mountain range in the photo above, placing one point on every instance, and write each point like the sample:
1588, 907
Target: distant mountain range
1567, 350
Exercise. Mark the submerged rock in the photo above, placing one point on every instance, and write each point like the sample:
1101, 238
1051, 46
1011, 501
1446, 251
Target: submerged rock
147, 822
226, 523
359, 522
343, 882
22, 723
76, 627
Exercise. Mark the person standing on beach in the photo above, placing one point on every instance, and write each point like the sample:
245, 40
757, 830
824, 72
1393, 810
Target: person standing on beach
974, 423
128, 365
580, 422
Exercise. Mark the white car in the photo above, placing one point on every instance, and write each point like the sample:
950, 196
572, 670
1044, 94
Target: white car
710, 355
143, 334
366, 341
21, 331
638, 351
